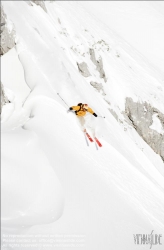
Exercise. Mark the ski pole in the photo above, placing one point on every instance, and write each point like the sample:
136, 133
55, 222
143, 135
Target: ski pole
101, 116
62, 99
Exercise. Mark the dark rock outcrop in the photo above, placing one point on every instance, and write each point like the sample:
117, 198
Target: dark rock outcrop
83, 68
7, 36
98, 87
140, 115
4, 98
41, 4
98, 63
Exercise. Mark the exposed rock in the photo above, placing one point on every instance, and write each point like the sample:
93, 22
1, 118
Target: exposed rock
98, 87
114, 114
41, 4
141, 117
7, 36
83, 68
59, 21
92, 56
98, 63
107, 101
4, 98
101, 45
64, 32
29, 3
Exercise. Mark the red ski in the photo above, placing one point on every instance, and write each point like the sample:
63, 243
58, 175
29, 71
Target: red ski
97, 141
91, 140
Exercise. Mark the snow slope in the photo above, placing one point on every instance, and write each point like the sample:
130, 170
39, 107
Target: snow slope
141, 23
52, 182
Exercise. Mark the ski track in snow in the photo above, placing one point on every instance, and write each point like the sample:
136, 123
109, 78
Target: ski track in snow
57, 184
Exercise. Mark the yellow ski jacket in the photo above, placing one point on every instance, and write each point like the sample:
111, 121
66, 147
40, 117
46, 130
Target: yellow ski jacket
80, 111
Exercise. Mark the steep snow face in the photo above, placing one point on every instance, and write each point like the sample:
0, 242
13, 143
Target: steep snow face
141, 24
99, 60
109, 194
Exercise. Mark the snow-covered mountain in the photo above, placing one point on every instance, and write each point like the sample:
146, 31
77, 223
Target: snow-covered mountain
58, 192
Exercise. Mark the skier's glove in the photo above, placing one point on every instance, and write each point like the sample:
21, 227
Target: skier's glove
70, 108
94, 114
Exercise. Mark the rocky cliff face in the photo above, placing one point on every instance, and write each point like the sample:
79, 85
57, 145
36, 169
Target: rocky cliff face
7, 34
148, 122
4, 98
83, 69
7, 42
40, 3
98, 63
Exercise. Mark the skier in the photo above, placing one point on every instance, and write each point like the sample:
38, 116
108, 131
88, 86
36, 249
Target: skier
81, 110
